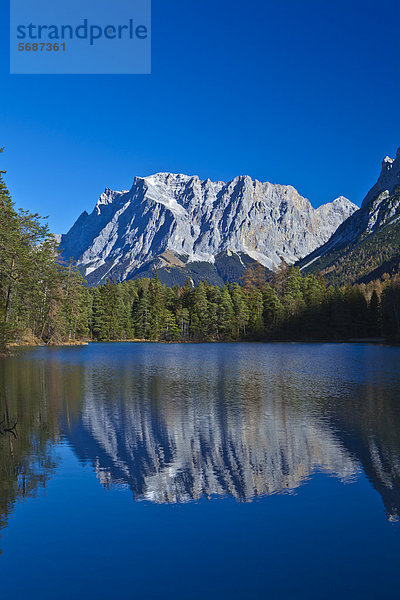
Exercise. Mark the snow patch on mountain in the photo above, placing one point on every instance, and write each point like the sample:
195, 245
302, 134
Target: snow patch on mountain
198, 220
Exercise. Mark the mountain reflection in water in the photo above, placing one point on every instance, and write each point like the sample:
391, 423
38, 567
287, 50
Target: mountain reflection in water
179, 423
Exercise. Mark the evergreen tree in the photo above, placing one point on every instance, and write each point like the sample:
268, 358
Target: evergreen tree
274, 311
226, 314
240, 310
157, 309
256, 309
199, 312
183, 321
26, 248
141, 311
374, 314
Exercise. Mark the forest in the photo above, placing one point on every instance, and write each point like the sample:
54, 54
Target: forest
45, 301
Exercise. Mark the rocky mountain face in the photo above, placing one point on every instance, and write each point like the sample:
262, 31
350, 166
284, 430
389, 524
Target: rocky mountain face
367, 244
201, 229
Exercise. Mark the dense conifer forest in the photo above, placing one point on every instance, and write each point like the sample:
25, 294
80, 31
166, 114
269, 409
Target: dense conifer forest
44, 301
288, 307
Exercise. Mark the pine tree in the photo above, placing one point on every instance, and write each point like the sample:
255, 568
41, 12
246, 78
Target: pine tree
199, 313
274, 311
374, 314
293, 294
156, 299
141, 317
226, 314
26, 248
183, 321
256, 309
240, 309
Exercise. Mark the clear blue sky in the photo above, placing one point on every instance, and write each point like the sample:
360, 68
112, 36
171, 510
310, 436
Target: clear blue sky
300, 92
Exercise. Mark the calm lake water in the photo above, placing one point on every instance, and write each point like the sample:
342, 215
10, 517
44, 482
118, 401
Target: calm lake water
200, 471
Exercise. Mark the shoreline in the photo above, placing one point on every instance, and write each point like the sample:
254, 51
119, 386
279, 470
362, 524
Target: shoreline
372, 341
12, 345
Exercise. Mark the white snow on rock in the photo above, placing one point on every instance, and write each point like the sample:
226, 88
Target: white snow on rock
197, 220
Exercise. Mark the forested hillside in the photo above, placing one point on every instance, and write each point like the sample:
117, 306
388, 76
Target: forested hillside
367, 258
367, 244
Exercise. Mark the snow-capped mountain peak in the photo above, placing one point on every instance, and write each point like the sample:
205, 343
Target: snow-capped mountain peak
195, 221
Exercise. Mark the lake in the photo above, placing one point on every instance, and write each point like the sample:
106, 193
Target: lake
188, 471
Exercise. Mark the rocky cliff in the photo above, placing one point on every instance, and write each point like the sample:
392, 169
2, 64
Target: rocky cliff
367, 244
202, 229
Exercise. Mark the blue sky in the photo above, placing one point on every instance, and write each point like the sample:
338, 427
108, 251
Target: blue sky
296, 92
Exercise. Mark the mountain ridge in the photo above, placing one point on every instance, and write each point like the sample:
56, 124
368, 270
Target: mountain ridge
368, 238
128, 232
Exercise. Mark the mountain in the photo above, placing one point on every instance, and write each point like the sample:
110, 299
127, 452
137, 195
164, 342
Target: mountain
201, 229
367, 244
